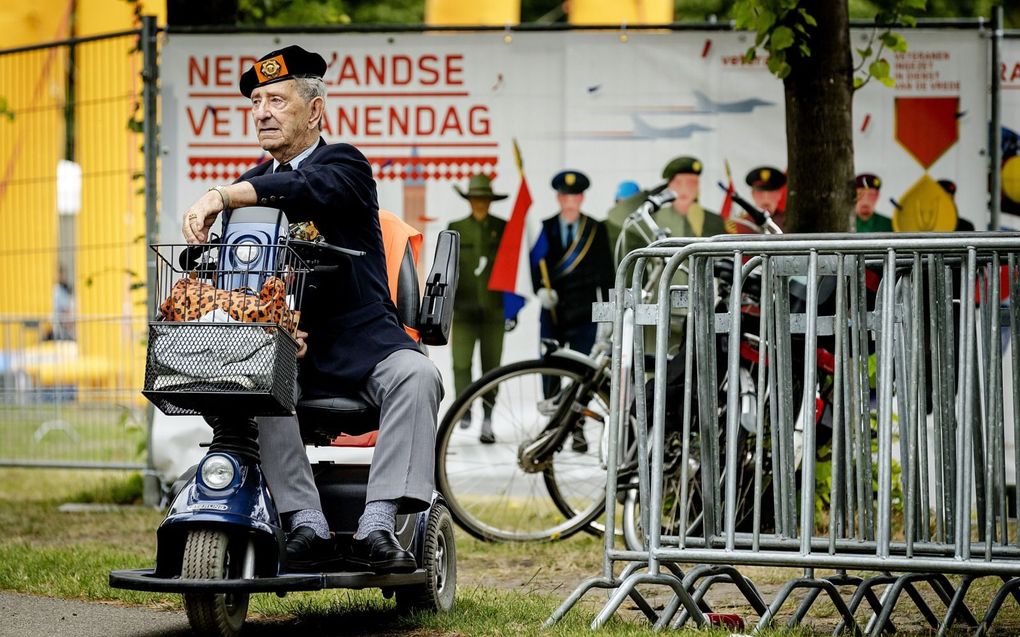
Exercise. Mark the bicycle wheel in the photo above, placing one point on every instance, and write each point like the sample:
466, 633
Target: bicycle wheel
492, 493
672, 486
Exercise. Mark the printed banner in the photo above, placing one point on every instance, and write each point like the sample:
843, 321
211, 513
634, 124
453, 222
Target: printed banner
429, 110
1009, 76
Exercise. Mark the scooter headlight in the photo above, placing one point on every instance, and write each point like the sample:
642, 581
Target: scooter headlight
217, 472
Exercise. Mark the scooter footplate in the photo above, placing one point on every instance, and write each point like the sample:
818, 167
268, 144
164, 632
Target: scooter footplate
144, 579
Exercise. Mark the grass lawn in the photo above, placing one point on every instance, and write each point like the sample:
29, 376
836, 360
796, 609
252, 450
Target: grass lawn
95, 432
502, 589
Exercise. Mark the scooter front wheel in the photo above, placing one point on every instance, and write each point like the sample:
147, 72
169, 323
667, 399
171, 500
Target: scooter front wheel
209, 554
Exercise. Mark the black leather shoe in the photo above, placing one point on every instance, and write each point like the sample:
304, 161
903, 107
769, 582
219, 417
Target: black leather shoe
578, 442
380, 552
304, 548
487, 437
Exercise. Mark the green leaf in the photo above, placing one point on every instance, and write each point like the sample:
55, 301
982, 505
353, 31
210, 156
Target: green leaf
743, 15
751, 54
879, 69
782, 39
135, 126
888, 81
908, 20
858, 82
894, 41
865, 53
808, 18
805, 50
765, 20
778, 65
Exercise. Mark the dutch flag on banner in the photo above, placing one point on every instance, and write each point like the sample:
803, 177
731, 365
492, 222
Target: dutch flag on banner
511, 270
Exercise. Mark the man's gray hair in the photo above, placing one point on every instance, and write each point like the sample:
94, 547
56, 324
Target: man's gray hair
309, 88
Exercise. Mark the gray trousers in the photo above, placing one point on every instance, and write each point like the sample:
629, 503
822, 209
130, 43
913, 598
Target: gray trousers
406, 388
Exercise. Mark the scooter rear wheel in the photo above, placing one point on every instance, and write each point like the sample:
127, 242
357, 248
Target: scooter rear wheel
440, 564
209, 554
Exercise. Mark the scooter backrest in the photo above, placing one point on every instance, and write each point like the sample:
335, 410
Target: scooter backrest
408, 291
248, 255
436, 314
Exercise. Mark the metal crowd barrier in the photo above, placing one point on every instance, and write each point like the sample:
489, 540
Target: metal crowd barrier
899, 343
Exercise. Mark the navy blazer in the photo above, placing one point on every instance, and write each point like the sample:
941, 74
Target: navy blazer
577, 286
351, 321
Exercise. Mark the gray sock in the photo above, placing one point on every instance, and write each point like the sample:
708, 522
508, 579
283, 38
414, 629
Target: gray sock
313, 519
379, 515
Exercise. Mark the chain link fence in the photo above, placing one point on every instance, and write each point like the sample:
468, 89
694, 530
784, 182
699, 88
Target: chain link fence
77, 175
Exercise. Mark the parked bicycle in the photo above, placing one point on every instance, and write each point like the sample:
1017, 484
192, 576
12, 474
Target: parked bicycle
545, 477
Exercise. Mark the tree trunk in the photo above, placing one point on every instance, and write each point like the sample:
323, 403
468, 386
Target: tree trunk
819, 126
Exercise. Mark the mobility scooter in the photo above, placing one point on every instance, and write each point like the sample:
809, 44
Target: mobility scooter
223, 347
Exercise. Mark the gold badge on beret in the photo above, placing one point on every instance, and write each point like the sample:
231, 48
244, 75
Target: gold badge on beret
570, 179
696, 166
765, 174
271, 69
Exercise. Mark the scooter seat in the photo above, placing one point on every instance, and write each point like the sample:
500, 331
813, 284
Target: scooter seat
324, 418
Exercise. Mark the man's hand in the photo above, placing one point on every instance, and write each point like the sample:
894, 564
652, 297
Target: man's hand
200, 217
548, 298
302, 345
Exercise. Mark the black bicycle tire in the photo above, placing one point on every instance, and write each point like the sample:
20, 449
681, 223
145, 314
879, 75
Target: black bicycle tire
450, 422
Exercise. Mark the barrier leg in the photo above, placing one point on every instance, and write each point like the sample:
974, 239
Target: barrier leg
1010, 587
957, 605
714, 575
922, 606
673, 605
865, 591
809, 583
587, 585
628, 585
574, 597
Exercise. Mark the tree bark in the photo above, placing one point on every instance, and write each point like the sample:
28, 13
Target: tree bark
819, 125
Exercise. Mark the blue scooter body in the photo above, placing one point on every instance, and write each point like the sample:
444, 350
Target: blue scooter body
244, 504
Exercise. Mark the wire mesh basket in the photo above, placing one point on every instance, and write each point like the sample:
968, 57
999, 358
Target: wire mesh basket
223, 339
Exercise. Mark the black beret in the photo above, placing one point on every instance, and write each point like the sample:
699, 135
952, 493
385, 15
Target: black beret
282, 64
766, 178
570, 182
867, 180
948, 186
681, 165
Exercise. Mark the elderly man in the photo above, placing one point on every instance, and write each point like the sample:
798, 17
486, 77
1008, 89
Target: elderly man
354, 339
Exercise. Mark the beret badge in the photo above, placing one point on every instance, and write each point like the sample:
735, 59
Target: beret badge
271, 69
